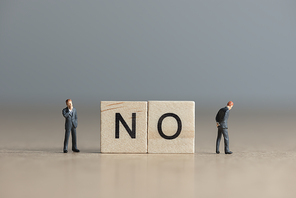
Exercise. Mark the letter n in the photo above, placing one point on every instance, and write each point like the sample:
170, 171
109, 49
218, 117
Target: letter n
132, 132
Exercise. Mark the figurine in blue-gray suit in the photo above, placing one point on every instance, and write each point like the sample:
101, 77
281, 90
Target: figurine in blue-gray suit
221, 119
70, 115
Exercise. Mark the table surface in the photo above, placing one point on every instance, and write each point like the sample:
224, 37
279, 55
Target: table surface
32, 163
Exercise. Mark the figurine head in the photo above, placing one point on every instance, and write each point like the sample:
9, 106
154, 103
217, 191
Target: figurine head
230, 105
69, 103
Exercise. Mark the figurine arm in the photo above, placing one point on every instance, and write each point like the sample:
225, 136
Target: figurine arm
65, 113
75, 119
76, 116
217, 119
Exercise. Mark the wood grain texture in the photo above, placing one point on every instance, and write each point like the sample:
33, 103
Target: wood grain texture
184, 143
125, 143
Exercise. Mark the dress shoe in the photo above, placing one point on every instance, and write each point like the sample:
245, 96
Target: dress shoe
228, 152
76, 150
218, 152
65, 151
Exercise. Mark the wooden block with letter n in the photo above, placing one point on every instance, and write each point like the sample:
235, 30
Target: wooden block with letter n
171, 126
123, 127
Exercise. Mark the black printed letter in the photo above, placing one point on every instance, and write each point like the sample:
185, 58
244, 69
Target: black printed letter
132, 132
159, 126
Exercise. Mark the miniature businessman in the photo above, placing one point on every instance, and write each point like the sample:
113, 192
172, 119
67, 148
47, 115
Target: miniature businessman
221, 119
70, 115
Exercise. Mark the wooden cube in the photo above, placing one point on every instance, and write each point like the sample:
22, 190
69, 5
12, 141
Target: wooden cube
123, 127
171, 126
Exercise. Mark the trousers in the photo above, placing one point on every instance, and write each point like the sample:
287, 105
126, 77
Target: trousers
226, 139
73, 134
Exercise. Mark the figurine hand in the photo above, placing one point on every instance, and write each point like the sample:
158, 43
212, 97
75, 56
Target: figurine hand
218, 124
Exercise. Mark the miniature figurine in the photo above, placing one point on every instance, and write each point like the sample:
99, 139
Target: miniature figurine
70, 115
221, 119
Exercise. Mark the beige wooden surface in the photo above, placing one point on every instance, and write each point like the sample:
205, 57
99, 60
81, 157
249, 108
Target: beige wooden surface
32, 163
185, 111
125, 143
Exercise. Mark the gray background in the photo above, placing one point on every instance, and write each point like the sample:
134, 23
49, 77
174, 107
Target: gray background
207, 51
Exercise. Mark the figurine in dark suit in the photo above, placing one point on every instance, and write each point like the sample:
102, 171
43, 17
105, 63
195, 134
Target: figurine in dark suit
70, 115
221, 119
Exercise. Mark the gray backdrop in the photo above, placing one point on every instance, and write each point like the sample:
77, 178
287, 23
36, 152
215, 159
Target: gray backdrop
207, 51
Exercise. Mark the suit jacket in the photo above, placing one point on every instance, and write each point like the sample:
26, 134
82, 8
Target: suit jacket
222, 117
70, 118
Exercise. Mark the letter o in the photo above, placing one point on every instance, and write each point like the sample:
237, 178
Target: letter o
159, 126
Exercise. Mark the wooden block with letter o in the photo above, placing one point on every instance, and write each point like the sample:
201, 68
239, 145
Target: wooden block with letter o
123, 127
171, 126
